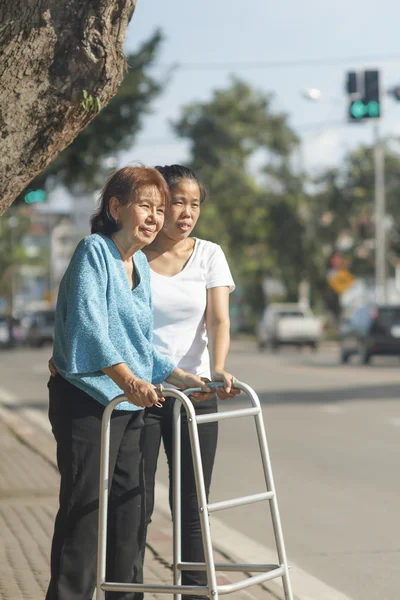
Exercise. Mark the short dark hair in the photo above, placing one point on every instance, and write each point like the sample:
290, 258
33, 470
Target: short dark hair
175, 173
124, 185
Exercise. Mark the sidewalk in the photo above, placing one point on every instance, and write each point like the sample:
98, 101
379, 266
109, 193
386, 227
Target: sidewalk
28, 503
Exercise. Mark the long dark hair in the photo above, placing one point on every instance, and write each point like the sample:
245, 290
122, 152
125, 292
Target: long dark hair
175, 173
124, 185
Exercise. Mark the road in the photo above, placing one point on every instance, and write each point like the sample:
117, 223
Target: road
333, 433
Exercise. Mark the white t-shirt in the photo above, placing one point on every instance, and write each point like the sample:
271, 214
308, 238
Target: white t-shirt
179, 304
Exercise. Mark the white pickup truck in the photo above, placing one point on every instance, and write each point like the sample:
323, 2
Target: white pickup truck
288, 324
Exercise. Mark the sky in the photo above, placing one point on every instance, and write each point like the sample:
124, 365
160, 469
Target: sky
237, 32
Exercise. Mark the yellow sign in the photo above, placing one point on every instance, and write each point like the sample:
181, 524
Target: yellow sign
341, 280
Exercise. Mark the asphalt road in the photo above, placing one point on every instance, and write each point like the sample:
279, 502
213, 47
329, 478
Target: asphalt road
333, 433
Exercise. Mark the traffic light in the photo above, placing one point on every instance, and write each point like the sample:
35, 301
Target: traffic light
364, 92
34, 196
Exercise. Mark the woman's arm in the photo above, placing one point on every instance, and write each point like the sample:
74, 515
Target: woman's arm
218, 332
140, 392
137, 391
183, 380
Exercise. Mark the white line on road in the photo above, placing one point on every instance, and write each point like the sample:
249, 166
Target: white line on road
331, 408
8, 397
35, 416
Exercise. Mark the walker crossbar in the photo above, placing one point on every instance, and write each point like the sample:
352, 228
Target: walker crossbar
250, 568
239, 501
265, 571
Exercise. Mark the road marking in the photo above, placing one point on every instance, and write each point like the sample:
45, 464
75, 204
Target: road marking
35, 416
7, 397
331, 408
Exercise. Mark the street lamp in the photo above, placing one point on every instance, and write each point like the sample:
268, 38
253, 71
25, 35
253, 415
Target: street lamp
311, 94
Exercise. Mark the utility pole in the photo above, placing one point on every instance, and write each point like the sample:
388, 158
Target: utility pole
364, 90
380, 214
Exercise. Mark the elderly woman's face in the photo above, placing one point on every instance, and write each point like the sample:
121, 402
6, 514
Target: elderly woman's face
142, 219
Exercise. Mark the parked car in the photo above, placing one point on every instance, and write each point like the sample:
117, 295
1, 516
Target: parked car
371, 330
10, 332
283, 324
39, 328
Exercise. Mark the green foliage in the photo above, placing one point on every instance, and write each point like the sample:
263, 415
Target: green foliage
14, 226
89, 103
229, 134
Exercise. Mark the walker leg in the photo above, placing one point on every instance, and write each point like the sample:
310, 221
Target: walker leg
103, 502
273, 503
202, 503
176, 497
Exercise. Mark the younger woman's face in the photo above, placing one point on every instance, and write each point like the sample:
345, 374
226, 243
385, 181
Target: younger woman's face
181, 218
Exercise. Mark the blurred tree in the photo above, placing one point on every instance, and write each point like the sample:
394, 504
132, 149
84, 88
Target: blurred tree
84, 163
343, 203
231, 135
13, 228
61, 62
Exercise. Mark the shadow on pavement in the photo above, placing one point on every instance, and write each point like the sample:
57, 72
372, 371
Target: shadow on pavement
323, 396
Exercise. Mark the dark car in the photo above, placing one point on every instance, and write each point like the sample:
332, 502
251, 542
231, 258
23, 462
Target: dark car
39, 328
370, 330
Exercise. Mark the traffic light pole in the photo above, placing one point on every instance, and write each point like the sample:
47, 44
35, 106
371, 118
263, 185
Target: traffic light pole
380, 213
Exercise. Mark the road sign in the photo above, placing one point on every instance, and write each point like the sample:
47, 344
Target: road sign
341, 280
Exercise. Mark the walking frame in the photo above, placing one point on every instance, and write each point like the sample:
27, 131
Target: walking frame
265, 572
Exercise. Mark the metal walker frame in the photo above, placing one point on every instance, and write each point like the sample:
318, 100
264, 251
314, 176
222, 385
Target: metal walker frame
265, 571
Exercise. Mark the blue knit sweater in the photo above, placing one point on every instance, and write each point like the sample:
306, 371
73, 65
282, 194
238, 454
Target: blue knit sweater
101, 322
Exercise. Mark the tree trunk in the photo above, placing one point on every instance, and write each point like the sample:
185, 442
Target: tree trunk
53, 54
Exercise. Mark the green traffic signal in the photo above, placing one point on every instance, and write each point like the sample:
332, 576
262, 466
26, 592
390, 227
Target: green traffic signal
357, 109
374, 109
35, 196
361, 110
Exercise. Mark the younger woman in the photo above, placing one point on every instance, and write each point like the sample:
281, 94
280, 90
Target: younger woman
190, 284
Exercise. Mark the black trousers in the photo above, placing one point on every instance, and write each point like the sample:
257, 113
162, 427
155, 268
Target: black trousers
158, 426
76, 422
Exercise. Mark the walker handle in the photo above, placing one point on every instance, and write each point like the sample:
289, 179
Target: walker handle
211, 384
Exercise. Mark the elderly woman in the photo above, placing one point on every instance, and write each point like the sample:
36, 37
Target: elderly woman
103, 348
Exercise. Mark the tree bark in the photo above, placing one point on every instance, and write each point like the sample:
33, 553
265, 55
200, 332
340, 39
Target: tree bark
52, 53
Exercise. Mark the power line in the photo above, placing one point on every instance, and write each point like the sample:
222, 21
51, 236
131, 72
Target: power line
170, 140
281, 64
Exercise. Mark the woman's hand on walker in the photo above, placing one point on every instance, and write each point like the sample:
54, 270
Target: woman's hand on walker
52, 367
143, 394
202, 396
184, 381
227, 391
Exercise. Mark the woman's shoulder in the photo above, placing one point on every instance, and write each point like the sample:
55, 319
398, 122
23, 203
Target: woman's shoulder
92, 241
206, 247
95, 246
